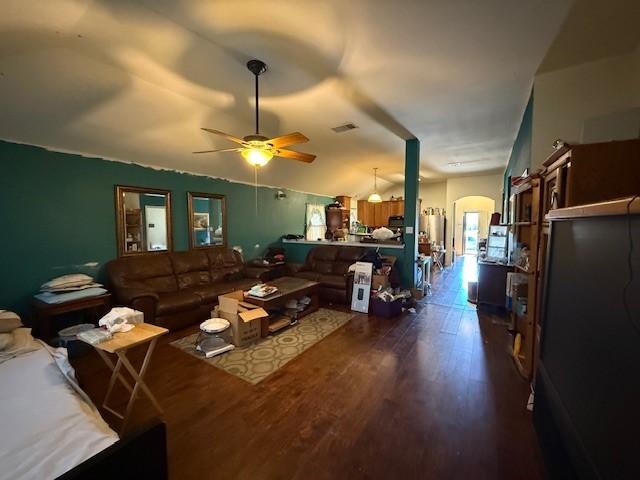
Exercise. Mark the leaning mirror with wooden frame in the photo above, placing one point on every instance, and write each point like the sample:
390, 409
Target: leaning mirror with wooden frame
143, 220
207, 220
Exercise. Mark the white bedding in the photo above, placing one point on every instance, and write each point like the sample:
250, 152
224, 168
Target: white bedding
47, 427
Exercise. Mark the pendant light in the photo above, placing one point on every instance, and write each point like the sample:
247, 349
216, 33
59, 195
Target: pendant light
375, 197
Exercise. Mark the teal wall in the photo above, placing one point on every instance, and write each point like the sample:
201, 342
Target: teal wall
520, 158
57, 215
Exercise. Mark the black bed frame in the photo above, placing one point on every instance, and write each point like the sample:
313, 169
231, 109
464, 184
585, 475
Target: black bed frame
141, 454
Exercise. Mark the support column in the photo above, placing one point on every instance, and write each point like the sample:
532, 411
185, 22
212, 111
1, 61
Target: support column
411, 195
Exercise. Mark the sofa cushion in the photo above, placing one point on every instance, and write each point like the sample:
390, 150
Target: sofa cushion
191, 268
225, 265
216, 276
333, 281
350, 254
320, 259
176, 302
145, 272
209, 293
346, 257
324, 253
224, 259
341, 268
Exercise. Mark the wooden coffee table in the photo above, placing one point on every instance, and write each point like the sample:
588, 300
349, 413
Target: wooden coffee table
288, 288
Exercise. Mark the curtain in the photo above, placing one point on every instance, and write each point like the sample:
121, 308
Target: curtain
316, 221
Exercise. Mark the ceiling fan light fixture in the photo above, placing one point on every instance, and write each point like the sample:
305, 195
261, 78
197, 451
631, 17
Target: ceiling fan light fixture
257, 157
257, 149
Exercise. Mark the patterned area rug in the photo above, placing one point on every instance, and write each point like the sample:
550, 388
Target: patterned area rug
257, 361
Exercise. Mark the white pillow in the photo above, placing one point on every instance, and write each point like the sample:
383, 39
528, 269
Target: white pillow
71, 280
23, 341
74, 288
6, 339
9, 321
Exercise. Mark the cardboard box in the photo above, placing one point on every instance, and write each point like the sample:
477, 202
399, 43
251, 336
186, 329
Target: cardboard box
417, 293
378, 281
388, 260
245, 318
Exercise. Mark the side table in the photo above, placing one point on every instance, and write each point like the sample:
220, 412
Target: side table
44, 313
119, 345
438, 258
271, 270
424, 264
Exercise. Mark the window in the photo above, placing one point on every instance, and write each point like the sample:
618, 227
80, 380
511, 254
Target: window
316, 221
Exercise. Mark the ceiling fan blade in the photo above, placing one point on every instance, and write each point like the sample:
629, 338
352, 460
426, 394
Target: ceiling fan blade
301, 157
220, 150
225, 135
289, 139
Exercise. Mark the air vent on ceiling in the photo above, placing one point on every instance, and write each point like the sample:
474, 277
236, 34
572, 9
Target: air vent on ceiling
344, 128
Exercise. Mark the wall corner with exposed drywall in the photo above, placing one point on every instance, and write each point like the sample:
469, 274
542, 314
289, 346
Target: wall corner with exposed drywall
586, 103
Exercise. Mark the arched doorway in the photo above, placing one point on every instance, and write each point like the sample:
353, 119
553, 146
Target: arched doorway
471, 216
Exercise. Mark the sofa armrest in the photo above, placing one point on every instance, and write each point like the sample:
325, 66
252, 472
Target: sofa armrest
349, 277
129, 295
295, 267
142, 300
258, 273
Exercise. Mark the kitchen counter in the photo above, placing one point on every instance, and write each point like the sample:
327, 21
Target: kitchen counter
395, 245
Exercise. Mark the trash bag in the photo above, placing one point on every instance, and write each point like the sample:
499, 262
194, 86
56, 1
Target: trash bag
275, 254
372, 256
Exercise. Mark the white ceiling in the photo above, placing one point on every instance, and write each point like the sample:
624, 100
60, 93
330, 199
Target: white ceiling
592, 30
135, 80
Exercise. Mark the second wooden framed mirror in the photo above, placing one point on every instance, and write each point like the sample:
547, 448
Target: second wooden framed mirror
207, 220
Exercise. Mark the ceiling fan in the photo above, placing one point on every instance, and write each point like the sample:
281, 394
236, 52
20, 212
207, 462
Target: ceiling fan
258, 149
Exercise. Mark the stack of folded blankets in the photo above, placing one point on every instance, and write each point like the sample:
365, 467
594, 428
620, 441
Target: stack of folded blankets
68, 288
15, 340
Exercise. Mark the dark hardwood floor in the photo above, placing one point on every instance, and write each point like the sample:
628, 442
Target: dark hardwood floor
433, 395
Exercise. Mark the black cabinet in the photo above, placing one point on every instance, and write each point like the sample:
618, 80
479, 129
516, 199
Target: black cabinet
492, 283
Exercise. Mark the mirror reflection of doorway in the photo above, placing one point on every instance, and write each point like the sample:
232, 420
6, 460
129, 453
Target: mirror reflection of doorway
470, 232
155, 227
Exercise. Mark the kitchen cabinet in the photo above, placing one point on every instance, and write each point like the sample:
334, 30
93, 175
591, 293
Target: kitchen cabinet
396, 207
365, 212
377, 214
381, 214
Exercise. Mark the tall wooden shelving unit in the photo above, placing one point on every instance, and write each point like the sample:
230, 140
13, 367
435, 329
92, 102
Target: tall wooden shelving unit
133, 230
525, 221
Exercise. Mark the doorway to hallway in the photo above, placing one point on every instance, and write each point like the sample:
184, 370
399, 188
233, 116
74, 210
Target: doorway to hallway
470, 230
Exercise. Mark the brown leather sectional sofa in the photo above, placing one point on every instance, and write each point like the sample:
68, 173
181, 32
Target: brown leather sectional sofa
174, 290
329, 265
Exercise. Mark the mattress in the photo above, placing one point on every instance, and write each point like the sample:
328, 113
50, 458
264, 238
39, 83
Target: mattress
48, 424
